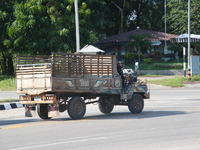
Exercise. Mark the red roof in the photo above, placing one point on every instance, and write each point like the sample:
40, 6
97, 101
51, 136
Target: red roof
125, 37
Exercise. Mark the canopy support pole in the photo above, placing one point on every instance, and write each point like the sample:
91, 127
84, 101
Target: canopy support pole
184, 61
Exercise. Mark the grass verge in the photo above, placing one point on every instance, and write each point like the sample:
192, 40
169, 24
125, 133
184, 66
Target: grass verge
161, 66
176, 81
7, 83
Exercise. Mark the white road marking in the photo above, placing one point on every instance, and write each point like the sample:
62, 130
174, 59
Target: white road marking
59, 143
154, 106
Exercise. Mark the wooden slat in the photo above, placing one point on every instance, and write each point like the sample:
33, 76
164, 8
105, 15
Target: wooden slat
63, 64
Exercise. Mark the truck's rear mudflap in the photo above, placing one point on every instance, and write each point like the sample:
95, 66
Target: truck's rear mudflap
30, 111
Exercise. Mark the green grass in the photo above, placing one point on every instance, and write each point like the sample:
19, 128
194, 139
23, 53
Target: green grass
196, 78
7, 83
176, 81
173, 82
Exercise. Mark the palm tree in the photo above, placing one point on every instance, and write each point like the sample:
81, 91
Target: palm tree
138, 43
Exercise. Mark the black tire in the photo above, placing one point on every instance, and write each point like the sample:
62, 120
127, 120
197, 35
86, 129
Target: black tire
42, 110
105, 106
136, 104
76, 108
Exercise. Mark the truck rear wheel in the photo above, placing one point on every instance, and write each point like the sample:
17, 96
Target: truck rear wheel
136, 104
105, 106
42, 110
76, 108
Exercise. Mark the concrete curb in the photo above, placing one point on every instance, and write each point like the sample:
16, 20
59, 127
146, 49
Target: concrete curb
10, 106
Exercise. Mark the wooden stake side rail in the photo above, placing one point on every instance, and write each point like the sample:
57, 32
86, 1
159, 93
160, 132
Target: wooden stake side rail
67, 65
63, 72
71, 65
34, 69
32, 59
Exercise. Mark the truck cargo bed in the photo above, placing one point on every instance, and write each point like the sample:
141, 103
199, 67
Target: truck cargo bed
62, 72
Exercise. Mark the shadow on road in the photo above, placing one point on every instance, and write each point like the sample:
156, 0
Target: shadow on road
143, 115
114, 115
14, 122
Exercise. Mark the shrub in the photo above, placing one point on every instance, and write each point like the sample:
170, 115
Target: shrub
148, 60
169, 65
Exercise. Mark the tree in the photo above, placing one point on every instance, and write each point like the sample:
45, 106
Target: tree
105, 17
146, 14
6, 61
178, 14
138, 44
175, 48
43, 26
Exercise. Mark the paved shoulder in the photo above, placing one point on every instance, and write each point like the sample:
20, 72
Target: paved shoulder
8, 95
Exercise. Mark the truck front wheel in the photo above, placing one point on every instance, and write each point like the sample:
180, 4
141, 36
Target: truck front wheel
105, 105
76, 108
136, 104
42, 110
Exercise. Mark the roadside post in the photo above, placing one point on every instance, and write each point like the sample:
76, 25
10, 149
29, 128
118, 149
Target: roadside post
189, 74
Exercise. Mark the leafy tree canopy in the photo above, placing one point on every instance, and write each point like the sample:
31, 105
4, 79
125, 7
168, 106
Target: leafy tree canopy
42, 26
178, 16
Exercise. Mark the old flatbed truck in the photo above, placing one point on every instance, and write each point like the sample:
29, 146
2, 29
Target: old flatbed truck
52, 84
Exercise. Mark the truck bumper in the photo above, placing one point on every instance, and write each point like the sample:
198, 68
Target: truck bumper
36, 102
37, 99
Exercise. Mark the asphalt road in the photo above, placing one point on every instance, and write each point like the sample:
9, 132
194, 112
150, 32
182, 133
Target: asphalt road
169, 121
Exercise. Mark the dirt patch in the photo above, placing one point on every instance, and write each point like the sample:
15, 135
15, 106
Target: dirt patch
193, 82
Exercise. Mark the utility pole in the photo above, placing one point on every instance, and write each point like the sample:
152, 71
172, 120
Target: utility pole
165, 7
77, 26
122, 15
189, 35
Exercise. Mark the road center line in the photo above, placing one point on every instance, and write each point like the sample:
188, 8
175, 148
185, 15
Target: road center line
59, 143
